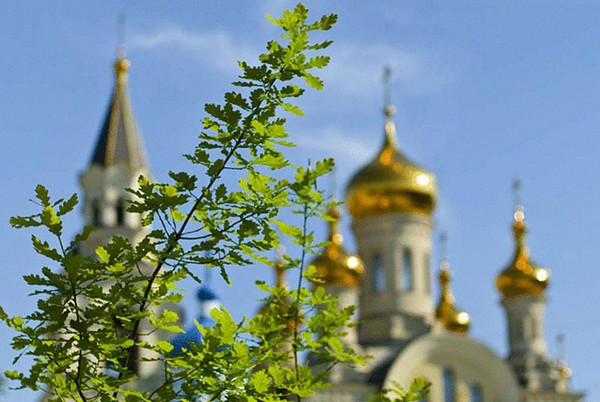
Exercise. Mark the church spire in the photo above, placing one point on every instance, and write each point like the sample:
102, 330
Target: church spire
119, 142
447, 313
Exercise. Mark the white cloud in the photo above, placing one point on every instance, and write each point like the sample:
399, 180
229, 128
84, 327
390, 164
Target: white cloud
357, 70
216, 48
345, 148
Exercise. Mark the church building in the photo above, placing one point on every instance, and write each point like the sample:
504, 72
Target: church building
391, 201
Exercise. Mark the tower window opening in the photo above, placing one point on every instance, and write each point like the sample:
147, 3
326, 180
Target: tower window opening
407, 270
378, 274
449, 386
96, 213
475, 392
120, 210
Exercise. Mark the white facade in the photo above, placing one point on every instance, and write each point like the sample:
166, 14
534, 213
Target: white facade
395, 292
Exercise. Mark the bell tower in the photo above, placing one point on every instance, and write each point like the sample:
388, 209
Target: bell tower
117, 161
391, 201
522, 285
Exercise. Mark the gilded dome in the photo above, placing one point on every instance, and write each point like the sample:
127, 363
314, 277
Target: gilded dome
390, 182
335, 266
521, 277
450, 316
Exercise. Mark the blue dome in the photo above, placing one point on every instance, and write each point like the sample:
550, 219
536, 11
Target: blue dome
205, 293
208, 299
191, 335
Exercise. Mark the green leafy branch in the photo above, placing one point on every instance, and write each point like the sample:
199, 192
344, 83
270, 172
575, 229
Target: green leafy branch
106, 315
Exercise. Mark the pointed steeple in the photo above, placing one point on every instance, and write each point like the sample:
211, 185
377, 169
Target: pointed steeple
119, 142
280, 303
447, 313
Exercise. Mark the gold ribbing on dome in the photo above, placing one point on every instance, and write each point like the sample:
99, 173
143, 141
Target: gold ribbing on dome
335, 266
391, 182
450, 316
521, 277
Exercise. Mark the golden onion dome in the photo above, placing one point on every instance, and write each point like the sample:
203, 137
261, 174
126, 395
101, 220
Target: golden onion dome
335, 266
390, 182
521, 277
450, 316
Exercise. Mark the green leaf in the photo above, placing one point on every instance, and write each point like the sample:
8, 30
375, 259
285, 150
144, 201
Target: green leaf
19, 222
236, 99
164, 346
216, 167
116, 268
258, 127
292, 109
68, 205
314, 81
51, 220
260, 381
43, 248
103, 254
41, 193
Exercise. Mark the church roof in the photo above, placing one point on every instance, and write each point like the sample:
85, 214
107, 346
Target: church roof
391, 183
521, 277
119, 141
335, 266
208, 300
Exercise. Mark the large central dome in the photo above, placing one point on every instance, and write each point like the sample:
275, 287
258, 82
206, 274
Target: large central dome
391, 183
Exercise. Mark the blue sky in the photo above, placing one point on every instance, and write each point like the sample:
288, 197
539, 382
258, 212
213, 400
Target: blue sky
484, 94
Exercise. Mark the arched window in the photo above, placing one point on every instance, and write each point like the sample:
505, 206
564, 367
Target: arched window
96, 213
120, 210
378, 274
476, 393
407, 270
449, 386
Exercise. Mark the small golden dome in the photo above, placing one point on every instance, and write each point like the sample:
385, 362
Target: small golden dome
280, 304
521, 277
450, 316
335, 266
390, 182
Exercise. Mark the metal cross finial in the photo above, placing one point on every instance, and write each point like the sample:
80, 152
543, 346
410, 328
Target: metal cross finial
387, 90
560, 343
443, 247
517, 194
208, 271
333, 185
121, 36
